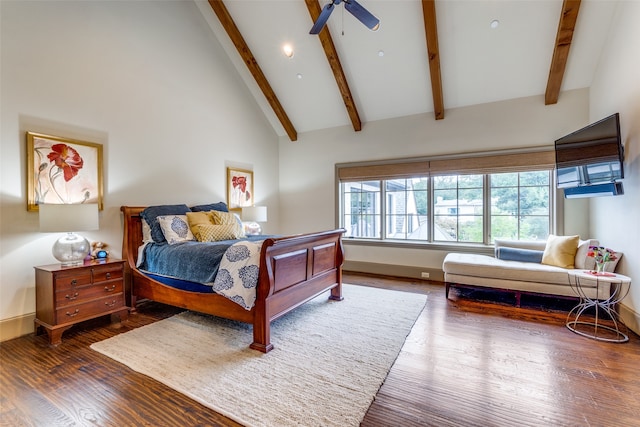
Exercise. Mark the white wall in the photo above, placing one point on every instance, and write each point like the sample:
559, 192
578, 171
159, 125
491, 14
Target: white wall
307, 174
616, 88
150, 82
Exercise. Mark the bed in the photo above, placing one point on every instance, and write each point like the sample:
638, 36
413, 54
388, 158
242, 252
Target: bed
292, 270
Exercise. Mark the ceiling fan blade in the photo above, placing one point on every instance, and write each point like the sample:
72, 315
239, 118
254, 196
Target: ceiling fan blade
322, 19
362, 14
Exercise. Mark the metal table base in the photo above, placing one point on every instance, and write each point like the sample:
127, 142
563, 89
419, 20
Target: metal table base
607, 307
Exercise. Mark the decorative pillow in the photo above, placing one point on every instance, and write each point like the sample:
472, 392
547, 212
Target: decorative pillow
152, 213
223, 217
517, 254
220, 206
197, 218
560, 251
610, 266
240, 224
175, 228
146, 232
582, 260
216, 232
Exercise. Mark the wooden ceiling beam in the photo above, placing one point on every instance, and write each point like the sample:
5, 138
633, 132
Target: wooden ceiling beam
566, 27
250, 61
334, 63
433, 52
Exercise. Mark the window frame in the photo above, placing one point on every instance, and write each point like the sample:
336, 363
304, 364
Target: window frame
485, 163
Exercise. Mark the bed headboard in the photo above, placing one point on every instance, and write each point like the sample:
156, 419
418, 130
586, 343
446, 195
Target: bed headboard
132, 233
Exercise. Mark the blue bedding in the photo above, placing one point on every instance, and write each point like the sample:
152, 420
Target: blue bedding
193, 261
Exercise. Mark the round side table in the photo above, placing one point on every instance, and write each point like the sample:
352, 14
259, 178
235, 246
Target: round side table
619, 286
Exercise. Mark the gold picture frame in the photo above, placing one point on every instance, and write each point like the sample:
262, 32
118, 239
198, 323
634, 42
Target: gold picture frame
63, 171
239, 188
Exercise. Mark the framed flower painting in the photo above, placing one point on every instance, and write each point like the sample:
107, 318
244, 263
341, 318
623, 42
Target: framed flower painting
63, 171
239, 188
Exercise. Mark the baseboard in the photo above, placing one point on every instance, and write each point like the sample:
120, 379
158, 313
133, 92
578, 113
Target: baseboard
16, 326
630, 318
394, 270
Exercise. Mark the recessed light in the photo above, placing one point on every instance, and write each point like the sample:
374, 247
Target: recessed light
381, 53
494, 24
299, 76
288, 50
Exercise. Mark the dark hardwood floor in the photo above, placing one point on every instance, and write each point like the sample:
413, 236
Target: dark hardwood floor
467, 362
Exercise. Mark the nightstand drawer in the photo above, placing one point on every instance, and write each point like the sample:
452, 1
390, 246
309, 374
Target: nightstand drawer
75, 313
79, 295
71, 279
108, 272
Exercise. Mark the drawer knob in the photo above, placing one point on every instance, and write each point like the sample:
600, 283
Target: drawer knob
108, 275
110, 304
75, 313
71, 297
110, 289
74, 282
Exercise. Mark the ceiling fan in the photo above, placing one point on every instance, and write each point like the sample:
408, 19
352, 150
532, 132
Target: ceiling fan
353, 7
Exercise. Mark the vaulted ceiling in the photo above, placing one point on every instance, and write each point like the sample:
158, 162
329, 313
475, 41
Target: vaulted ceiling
427, 56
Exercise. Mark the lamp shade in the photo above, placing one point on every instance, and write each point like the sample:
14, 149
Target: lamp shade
254, 214
70, 249
76, 217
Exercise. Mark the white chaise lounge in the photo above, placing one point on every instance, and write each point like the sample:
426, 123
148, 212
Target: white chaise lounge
520, 270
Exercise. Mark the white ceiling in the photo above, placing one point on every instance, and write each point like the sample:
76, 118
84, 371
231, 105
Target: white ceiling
478, 64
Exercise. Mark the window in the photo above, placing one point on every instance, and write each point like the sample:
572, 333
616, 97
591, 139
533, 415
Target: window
458, 208
407, 205
520, 205
361, 201
479, 201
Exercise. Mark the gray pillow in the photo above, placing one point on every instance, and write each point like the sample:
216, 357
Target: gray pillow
220, 207
517, 254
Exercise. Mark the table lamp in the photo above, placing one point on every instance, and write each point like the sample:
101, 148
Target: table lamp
70, 249
251, 216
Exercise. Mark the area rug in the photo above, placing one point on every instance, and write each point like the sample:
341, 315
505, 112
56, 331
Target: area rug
328, 362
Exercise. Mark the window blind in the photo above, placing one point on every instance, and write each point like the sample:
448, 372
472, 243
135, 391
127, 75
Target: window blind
392, 170
480, 163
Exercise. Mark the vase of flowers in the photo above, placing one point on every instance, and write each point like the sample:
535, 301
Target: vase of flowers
602, 256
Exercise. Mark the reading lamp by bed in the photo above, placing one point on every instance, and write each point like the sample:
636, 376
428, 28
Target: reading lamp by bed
71, 249
251, 216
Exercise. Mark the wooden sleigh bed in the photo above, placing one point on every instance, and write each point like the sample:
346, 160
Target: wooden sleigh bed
292, 270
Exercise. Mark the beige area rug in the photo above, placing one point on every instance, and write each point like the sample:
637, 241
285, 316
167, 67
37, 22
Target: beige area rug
330, 358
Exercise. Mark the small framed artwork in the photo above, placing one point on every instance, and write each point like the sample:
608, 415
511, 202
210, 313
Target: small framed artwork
239, 188
63, 171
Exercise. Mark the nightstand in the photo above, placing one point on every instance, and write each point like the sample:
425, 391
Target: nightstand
68, 295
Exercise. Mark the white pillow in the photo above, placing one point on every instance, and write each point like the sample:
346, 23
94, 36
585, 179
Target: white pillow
583, 261
146, 232
175, 228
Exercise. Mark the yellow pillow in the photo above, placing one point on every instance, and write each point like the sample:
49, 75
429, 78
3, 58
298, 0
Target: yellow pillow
213, 233
197, 218
560, 251
223, 217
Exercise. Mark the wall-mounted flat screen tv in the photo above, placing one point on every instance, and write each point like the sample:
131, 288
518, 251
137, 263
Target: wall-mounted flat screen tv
593, 154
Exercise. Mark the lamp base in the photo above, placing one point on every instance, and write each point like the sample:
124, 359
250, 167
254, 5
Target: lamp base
71, 250
252, 228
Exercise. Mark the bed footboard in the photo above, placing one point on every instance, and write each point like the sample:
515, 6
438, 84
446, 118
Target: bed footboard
294, 270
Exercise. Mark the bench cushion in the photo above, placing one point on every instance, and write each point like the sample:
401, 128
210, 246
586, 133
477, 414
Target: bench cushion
477, 265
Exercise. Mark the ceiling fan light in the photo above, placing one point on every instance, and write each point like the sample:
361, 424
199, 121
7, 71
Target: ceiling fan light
288, 50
